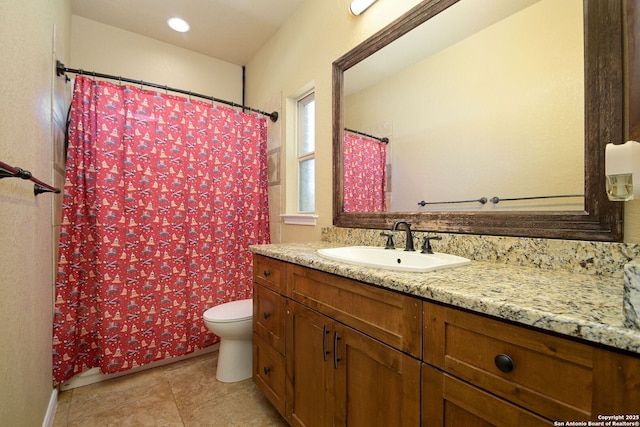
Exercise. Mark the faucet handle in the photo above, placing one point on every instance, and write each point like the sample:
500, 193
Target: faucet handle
426, 246
389, 244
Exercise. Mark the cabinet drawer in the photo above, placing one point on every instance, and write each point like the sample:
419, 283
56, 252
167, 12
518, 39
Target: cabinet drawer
390, 317
549, 375
449, 402
269, 372
270, 272
269, 316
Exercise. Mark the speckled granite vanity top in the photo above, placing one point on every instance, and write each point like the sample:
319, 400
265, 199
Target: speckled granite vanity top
578, 305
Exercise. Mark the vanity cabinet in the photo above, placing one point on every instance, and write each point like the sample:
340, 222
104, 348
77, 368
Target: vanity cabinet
351, 351
329, 350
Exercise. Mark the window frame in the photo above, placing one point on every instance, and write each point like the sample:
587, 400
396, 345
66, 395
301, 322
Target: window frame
302, 133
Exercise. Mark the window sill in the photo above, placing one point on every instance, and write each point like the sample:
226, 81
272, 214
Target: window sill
299, 219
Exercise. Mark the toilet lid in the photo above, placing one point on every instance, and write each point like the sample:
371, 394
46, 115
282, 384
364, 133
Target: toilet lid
230, 311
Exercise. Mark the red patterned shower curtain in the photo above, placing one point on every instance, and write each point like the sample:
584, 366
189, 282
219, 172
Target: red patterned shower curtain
364, 174
163, 195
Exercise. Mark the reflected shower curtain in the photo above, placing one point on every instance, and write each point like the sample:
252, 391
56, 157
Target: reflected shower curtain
163, 195
364, 174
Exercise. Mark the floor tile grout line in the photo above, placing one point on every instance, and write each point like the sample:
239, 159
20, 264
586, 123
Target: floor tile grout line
173, 396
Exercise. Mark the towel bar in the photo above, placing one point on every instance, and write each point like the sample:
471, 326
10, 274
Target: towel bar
39, 187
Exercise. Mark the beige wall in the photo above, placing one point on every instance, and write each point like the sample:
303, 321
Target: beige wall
632, 221
105, 49
300, 55
26, 266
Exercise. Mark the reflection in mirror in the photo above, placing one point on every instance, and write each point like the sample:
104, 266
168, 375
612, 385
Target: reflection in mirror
365, 174
508, 106
493, 113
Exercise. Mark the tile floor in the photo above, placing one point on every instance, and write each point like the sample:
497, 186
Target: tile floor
184, 394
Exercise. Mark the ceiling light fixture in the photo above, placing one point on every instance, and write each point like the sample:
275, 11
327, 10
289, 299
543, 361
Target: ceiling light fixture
178, 24
358, 6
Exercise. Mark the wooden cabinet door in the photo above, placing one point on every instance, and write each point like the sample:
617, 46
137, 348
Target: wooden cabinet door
342, 377
616, 384
310, 368
450, 402
375, 385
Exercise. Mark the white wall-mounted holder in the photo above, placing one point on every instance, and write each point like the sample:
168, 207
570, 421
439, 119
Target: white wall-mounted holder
358, 6
622, 170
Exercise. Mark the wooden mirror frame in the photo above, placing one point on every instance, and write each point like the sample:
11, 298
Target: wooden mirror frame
601, 220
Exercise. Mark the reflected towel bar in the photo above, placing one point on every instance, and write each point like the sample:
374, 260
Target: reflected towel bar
482, 200
39, 187
495, 200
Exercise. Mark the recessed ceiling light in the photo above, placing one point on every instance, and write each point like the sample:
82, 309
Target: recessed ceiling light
178, 24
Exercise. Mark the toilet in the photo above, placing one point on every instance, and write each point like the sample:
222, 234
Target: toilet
232, 322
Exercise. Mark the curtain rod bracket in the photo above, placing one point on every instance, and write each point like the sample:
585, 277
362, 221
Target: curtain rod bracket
39, 189
60, 68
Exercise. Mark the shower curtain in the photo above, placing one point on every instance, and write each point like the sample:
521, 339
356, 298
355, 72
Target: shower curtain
162, 197
364, 174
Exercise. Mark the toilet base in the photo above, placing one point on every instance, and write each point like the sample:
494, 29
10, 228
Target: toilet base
234, 360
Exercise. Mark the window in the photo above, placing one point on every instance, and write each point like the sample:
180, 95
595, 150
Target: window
306, 147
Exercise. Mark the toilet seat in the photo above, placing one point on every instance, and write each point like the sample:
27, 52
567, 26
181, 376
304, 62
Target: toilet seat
233, 311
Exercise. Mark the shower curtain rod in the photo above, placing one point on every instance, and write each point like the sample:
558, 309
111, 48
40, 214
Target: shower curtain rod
61, 70
357, 132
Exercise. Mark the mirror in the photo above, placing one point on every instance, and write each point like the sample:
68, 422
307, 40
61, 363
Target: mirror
596, 114
504, 80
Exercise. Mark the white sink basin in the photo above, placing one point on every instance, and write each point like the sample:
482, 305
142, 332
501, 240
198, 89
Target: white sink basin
392, 259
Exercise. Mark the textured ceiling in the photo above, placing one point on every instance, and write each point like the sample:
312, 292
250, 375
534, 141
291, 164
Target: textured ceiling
229, 30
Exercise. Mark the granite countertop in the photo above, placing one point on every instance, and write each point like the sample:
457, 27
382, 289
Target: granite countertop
578, 305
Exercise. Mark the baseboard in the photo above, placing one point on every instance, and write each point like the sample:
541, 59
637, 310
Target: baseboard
50, 416
94, 375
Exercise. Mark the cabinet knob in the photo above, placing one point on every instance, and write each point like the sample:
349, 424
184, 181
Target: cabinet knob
266, 273
504, 363
267, 370
266, 315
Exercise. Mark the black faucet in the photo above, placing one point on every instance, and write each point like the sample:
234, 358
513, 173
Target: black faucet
407, 228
